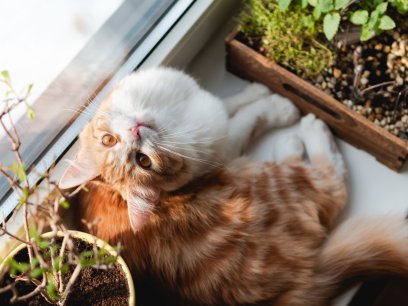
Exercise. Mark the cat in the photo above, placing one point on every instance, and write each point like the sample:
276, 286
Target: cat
164, 177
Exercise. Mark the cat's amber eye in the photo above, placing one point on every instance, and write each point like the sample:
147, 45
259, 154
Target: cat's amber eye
143, 160
109, 140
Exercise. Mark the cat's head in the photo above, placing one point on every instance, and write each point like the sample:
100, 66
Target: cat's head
156, 132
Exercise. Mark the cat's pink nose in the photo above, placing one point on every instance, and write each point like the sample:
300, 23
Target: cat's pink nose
136, 129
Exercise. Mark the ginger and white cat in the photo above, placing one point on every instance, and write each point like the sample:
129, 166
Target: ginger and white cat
160, 159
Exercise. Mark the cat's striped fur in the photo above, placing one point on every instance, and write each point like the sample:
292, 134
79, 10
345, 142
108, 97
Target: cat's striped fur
237, 233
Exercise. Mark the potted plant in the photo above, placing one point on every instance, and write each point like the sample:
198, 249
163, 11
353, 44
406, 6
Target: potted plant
344, 60
60, 267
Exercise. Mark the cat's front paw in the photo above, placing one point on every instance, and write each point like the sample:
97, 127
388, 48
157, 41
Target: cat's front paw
281, 111
257, 90
312, 127
319, 143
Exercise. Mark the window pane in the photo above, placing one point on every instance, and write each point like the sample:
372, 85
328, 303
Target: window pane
68, 49
40, 38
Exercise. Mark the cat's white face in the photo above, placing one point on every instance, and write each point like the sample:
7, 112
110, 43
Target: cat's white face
156, 131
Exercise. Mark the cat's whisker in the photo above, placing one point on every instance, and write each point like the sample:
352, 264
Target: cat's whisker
172, 149
79, 111
182, 133
192, 150
207, 162
196, 142
182, 146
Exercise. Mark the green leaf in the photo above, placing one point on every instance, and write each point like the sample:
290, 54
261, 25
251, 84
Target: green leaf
22, 200
386, 23
64, 203
43, 244
56, 263
317, 13
87, 258
284, 4
325, 5
6, 77
18, 266
331, 24
312, 2
374, 18
339, 4
37, 272
64, 268
19, 171
33, 232
308, 22
359, 17
382, 8
35, 262
366, 32
400, 5
303, 3
51, 287
28, 90
30, 112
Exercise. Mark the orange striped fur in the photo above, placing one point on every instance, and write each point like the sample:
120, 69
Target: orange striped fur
214, 232
241, 234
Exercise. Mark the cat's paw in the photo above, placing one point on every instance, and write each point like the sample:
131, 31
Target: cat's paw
289, 147
319, 143
251, 94
257, 90
314, 128
280, 111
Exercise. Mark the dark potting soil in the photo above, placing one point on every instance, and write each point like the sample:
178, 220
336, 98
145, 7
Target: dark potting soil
92, 287
371, 79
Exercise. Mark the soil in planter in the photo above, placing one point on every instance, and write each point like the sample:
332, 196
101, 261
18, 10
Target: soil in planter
371, 79
92, 287
358, 71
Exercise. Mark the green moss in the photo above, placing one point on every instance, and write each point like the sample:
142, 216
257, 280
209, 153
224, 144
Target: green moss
290, 36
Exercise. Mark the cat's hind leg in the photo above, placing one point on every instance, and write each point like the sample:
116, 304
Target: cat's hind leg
251, 93
254, 119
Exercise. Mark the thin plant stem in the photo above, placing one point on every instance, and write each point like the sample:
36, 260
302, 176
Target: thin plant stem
70, 283
376, 86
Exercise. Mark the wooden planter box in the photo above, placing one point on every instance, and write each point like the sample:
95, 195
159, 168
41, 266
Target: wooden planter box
353, 128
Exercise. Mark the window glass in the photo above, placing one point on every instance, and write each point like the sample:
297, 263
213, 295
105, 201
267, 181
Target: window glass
69, 49
39, 38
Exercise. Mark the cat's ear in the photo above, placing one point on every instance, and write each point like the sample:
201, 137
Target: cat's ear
140, 205
80, 171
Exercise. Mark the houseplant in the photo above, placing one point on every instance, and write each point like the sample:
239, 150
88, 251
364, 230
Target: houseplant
344, 60
60, 267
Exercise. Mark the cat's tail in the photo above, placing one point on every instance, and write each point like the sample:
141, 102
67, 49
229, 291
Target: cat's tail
362, 247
